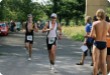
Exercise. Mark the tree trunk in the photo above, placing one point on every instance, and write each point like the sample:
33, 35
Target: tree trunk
60, 19
76, 21
55, 6
67, 22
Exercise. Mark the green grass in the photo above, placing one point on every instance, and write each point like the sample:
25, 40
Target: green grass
74, 32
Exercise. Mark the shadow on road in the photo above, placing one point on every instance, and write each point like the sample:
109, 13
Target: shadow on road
13, 59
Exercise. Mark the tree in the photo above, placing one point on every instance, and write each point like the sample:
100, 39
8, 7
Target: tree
18, 9
108, 10
68, 9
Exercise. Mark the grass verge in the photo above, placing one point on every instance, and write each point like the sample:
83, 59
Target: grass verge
76, 32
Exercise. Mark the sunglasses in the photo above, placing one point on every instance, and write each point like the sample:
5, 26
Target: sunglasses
30, 17
53, 17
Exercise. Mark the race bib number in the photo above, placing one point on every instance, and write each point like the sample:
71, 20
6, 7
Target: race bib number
29, 37
51, 40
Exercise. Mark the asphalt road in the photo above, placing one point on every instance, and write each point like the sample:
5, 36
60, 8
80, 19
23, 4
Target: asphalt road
13, 57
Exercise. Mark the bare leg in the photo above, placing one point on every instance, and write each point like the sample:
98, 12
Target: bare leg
96, 60
52, 54
108, 63
91, 53
103, 67
82, 59
30, 50
27, 46
99, 68
92, 58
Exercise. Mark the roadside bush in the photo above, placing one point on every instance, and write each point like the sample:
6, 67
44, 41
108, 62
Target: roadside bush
78, 36
75, 32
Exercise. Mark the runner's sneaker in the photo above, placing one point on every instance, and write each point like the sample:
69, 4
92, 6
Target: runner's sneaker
52, 69
1, 74
29, 59
109, 73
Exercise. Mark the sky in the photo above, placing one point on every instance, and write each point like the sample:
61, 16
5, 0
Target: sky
39, 0
35, 0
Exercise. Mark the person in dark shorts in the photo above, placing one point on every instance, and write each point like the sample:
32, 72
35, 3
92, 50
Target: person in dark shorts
49, 46
107, 20
51, 28
29, 34
108, 54
13, 25
88, 41
99, 32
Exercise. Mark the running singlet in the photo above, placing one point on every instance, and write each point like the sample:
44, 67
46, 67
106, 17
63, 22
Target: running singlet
52, 33
29, 34
51, 36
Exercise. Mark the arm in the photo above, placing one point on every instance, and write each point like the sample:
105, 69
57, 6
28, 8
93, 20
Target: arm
88, 30
24, 29
85, 40
60, 31
35, 28
46, 29
92, 34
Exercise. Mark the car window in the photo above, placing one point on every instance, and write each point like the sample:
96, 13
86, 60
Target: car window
2, 25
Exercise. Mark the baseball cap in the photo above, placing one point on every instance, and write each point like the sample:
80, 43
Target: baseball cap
53, 15
29, 15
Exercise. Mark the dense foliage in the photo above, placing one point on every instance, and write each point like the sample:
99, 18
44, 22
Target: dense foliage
67, 10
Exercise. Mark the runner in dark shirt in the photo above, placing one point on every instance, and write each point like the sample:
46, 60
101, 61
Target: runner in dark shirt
29, 34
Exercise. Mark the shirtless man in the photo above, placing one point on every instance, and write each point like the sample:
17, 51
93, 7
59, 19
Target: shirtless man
99, 31
29, 34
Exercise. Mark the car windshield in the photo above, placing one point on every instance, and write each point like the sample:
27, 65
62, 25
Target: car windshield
2, 25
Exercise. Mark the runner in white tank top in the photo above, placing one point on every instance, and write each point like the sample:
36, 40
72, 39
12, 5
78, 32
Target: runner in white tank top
52, 33
51, 27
